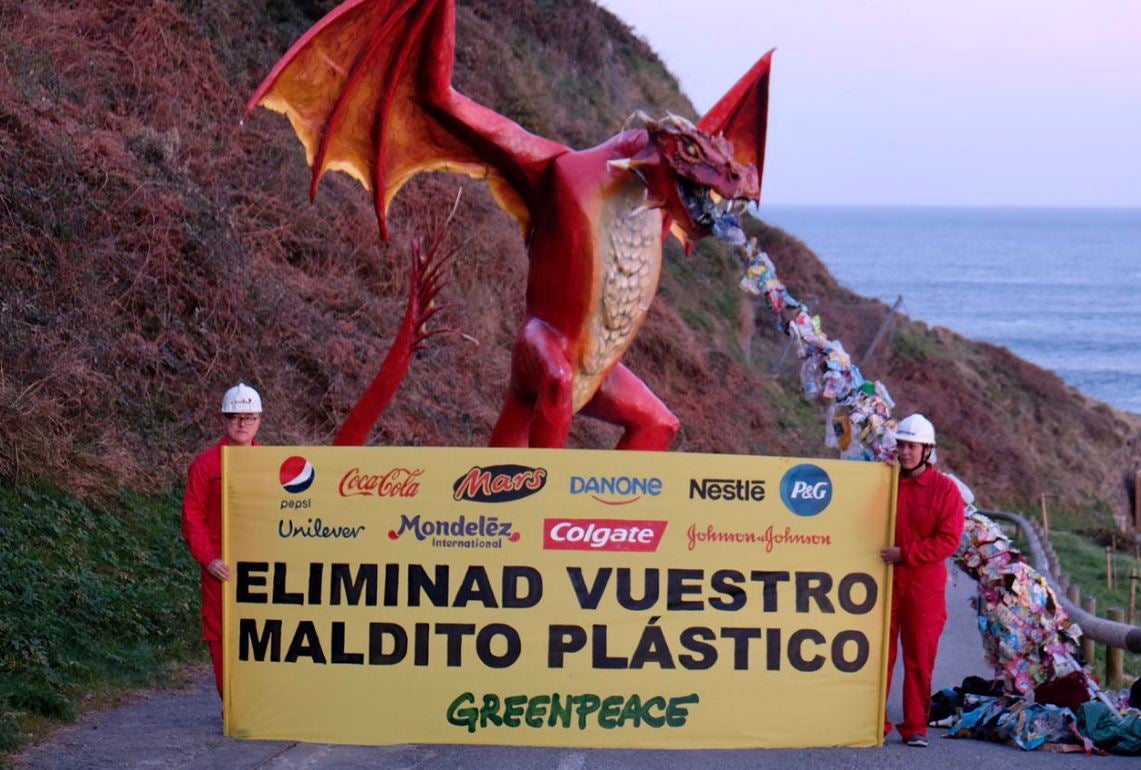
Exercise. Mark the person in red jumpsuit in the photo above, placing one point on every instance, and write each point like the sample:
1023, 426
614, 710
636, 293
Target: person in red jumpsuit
928, 526
202, 511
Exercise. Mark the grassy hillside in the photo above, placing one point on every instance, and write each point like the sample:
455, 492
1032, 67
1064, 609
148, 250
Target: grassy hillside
154, 252
90, 598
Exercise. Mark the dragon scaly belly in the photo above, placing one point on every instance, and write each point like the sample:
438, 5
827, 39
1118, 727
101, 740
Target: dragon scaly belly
629, 252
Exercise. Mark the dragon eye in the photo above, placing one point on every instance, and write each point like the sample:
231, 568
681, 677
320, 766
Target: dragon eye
690, 151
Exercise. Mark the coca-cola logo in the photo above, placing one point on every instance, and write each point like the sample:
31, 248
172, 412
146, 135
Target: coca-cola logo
397, 482
602, 535
499, 483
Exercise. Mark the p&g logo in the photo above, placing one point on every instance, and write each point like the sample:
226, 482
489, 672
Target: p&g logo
806, 490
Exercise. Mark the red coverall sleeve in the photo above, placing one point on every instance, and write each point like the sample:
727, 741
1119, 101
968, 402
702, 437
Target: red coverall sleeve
944, 540
194, 530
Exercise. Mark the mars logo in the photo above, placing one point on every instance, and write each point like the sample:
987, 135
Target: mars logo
615, 490
806, 490
296, 475
499, 483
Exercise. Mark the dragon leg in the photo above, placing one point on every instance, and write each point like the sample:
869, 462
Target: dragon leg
625, 400
540, 399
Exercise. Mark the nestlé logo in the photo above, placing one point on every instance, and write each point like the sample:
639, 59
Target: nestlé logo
806, 489
396, 482
727, 489
499, 483
602, 535
615, 490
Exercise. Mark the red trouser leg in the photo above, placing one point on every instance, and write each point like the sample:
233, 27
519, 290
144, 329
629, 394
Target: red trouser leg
917, 620
216, 659
921, 624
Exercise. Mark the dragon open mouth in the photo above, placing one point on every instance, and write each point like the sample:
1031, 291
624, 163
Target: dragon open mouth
704, 210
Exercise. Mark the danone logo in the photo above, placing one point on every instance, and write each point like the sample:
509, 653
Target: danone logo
615, 490
499, 483
602, 535
806, 489
296, 475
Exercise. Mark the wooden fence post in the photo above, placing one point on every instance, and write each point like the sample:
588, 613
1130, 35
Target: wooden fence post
1113, 558
1137, 502
1133, 578
1114, 656
1045, 516
1089, 645
1108, 568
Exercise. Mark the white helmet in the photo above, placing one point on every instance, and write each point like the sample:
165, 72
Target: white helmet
917, 429
241, 399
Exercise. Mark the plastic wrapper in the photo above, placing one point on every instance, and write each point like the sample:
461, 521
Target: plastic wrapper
1027, 725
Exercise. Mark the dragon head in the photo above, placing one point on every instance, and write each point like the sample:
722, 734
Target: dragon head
693, 176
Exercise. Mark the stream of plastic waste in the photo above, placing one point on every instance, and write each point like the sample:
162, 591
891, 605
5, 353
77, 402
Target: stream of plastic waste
1028, 639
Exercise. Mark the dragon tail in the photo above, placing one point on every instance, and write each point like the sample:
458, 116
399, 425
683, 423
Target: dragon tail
426, 281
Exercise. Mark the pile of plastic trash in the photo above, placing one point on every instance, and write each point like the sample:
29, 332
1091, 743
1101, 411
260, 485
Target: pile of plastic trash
1027, 637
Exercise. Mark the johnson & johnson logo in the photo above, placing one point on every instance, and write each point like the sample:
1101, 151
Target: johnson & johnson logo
602, 535
499, 483
397, 482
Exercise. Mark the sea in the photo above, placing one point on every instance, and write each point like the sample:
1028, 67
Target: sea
1060, 287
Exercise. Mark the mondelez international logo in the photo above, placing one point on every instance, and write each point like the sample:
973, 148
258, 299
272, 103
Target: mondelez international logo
806, 489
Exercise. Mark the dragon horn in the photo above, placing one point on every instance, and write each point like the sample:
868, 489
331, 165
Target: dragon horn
628, 164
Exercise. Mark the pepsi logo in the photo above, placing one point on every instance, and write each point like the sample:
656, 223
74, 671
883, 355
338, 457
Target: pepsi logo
296, 475
806, 489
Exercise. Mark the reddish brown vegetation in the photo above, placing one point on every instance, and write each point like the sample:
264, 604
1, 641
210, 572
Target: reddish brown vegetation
154, 252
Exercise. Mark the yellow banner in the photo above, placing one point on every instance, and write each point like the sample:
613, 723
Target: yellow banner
554, 597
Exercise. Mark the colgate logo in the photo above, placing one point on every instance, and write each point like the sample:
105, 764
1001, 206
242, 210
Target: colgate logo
397, 482
499, 483
602, 535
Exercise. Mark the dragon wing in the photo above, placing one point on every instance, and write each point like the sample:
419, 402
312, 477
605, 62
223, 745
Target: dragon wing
368, 92
742, 115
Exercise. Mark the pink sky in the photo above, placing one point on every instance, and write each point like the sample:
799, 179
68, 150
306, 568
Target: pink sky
976, 102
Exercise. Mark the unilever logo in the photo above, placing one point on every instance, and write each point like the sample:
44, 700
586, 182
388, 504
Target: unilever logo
296, 474
806, 490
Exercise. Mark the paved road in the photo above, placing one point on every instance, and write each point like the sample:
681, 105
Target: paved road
168, 729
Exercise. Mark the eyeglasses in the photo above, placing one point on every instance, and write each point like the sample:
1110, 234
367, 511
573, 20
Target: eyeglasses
242, 419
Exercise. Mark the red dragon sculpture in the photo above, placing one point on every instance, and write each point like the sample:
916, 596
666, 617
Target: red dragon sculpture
368, 91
